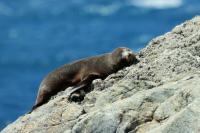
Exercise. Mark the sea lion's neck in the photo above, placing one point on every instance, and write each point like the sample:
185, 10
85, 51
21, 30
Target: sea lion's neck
112, 63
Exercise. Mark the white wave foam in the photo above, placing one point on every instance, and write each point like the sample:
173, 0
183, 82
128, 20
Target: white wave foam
157, 4
102, 10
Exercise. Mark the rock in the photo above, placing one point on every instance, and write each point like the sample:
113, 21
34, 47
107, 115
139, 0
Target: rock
160, 94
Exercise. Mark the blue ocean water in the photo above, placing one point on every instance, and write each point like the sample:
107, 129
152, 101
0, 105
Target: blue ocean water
37, 36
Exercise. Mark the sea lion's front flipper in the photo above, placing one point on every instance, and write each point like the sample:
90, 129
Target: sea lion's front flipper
82, 85
76, 88
85, 81
76, 93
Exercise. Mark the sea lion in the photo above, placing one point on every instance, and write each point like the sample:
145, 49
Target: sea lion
81, 73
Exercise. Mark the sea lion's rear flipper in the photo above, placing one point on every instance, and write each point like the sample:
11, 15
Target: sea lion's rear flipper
42, 98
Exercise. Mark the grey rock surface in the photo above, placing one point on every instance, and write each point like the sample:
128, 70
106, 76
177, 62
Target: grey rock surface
160, 94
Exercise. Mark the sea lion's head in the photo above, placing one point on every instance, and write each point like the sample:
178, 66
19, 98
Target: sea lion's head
123, 57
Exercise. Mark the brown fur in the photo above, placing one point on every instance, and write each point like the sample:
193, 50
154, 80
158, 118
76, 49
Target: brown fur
81, 73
